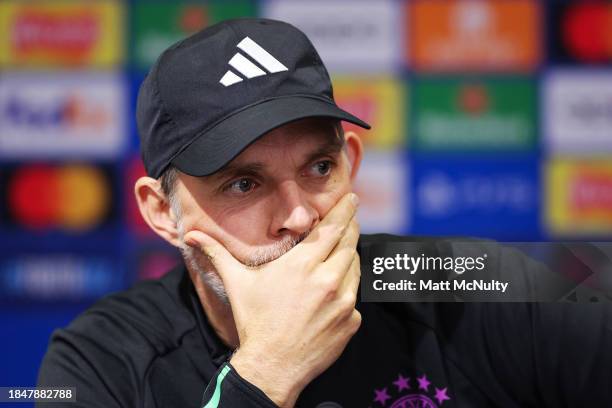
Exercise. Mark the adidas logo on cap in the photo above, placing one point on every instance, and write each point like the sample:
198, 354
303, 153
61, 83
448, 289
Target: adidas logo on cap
246, 67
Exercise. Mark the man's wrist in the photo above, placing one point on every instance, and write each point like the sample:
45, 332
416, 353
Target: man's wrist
271, 379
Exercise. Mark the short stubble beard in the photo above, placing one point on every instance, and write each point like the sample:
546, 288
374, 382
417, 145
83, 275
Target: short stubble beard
197, 261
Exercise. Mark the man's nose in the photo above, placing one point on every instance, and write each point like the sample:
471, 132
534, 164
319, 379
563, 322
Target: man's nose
293, 212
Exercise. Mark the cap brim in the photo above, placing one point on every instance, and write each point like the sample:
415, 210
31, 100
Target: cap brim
217, 146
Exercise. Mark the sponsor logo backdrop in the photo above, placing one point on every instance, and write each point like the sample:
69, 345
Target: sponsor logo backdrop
491, 119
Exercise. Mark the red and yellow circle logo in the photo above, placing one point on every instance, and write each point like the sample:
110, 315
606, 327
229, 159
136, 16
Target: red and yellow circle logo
73, 197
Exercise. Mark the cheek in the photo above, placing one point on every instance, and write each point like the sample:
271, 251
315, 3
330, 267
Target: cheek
238, 227
338, 186
245, 224
239, 233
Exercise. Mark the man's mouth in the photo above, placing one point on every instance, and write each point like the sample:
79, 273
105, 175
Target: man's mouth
270, 253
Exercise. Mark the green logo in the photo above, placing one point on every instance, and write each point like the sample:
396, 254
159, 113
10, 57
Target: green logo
157, 25
472, 114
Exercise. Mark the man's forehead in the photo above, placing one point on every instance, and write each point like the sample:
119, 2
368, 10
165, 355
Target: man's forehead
307, 130
304, 137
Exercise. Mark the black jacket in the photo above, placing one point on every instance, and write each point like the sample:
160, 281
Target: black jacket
152, 346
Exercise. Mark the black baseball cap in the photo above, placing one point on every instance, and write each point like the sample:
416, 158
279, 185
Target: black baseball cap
210, 95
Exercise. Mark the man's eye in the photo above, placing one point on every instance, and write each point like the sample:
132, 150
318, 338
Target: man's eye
243, 185
322, 168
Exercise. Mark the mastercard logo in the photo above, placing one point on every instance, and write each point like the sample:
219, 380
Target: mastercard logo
71, 197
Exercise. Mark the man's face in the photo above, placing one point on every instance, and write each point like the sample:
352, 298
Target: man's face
270, 196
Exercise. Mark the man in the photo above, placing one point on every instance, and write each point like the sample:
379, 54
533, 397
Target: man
250, 175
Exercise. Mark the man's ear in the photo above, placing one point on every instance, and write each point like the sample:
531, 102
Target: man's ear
354, 152
155, 209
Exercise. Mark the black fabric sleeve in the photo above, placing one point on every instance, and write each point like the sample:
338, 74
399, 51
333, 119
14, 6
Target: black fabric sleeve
67, 363
228, 389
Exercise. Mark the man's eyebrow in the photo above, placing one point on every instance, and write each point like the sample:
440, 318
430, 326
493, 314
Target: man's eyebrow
331, 148
233, 169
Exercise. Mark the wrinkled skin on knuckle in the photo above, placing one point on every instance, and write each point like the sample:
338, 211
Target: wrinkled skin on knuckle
347, 304
329, 284
355, 320
351, 324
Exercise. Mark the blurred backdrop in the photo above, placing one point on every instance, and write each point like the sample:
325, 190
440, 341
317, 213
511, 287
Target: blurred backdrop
490, 119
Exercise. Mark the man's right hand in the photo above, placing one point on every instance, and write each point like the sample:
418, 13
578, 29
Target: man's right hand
294, 315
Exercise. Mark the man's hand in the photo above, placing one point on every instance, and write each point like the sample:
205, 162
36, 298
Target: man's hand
294, 315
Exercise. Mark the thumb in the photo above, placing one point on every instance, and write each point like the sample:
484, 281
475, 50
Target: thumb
223, 261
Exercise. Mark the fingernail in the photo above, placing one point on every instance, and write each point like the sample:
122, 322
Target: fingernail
191, 243
354, 199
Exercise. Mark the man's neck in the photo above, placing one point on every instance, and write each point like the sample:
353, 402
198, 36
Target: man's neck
219, 313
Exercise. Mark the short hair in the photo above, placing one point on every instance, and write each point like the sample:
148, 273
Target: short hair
170, 174
168, 181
